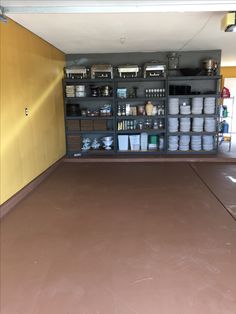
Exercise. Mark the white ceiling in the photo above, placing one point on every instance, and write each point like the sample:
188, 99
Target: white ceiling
129, 32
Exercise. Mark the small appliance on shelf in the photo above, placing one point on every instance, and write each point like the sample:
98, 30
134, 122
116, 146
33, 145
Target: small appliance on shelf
128, 70
76, 72
154, 69
103, 71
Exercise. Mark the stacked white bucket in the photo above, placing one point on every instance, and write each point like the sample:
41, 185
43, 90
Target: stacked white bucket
173, 106
173, 124
173, 143
184, 142
197, 105
210, 123
200, 105
197, 126
209, 105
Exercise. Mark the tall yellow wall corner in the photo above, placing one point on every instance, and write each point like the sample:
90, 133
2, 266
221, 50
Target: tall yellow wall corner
30, 77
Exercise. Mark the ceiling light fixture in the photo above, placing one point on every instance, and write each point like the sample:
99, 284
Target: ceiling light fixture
228, 23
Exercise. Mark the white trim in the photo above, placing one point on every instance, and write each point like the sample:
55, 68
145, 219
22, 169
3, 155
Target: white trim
121, 6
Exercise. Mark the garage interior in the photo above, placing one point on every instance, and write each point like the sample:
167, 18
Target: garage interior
127, 233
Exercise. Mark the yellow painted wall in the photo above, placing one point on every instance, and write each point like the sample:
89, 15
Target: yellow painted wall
31, 73
227, 72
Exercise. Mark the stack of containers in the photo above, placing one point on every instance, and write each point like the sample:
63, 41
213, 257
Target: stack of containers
209, 105
197, 124
173, 124
208, 142
184, 142
70, 91
196, 142
173, 143
210, 124
197, 105
185, 124
173, 106
185, 109
80, 91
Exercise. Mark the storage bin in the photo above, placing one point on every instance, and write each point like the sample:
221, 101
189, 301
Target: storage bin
123, 142
100, 125
74, 142
73, 125
86, 125
144, 141
134, 142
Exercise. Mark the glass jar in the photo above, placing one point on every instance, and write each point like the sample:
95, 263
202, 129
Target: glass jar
148, 124
173, 61
155, 125
141, 110
160, 124
139, 125
149, 108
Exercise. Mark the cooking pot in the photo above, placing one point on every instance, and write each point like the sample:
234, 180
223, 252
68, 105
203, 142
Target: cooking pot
210, 66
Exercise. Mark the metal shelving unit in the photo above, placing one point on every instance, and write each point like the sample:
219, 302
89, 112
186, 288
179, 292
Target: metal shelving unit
80, 99
214, 82
141, 131
194, 78
141, 99
114, 119
229, 119
74, 137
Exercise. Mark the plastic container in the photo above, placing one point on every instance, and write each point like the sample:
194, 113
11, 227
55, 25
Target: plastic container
225, 127
134, 142
123, 142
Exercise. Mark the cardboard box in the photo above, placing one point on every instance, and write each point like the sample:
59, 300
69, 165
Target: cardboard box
73, 125
86, 125
74, 142
100, 125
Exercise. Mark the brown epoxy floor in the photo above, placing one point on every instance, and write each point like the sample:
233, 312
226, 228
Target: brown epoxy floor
119, 239
221, 179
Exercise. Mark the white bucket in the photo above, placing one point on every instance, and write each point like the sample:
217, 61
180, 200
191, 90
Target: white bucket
123, 142
134, 142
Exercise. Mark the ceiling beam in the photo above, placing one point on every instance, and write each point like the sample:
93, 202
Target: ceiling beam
102, 6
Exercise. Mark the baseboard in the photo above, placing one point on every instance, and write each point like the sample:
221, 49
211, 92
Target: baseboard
151, 159
16, 198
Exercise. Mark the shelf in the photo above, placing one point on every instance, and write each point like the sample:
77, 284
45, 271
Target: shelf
89, 118
89, 132
200, 85
141, 131
98, 152
140, 79
192, 115
193, 78
141, 152
193, 152
139, 117
193, 96
140, 99
192, 133
84, 81
90, 152
89, 98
